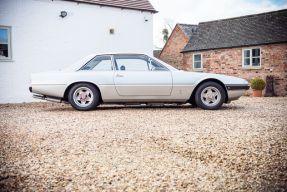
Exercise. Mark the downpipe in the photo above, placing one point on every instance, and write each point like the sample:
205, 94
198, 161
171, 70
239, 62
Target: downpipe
51, 99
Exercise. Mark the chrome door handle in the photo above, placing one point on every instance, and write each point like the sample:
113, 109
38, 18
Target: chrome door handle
118, 75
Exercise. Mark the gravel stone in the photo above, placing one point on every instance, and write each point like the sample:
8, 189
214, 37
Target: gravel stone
52, 147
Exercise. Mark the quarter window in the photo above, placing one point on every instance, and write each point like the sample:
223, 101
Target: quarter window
5, 43
251, 57
197, 61
100, 63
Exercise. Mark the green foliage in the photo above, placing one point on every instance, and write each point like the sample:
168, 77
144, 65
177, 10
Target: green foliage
165, 33
258, 84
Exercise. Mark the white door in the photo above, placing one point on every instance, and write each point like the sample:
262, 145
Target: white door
138, 75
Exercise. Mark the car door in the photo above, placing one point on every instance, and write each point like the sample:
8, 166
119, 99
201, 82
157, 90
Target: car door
100, 71
139, 75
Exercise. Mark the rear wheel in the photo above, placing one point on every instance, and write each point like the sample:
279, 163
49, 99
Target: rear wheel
84, 97
210, 96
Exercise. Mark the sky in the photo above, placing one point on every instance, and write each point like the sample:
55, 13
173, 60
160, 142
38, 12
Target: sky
195, 11
3, 36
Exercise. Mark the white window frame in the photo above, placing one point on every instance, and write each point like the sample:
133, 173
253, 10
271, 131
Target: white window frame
250, 66
9, 58
197, 69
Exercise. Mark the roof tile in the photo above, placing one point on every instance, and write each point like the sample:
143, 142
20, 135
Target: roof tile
248, 30
188, 29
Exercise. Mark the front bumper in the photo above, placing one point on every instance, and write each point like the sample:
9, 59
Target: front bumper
234, 92
237, 87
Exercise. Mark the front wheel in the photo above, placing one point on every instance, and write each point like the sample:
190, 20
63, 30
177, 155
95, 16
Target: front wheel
84, 97
210, 96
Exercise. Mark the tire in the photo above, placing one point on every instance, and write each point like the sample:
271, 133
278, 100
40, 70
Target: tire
84, 97
193, 103
210, 96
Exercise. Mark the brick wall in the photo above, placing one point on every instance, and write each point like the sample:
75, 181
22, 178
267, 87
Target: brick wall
229, 62
171, 52
43, 41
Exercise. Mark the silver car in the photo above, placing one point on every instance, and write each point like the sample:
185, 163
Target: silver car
131, 78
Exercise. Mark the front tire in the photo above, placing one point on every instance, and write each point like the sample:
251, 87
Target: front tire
84, 97
193, 103
210, 96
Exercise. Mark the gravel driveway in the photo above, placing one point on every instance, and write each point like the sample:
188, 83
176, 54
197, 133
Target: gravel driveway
52, 147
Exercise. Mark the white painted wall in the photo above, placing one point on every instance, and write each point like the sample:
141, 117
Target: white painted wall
43, 41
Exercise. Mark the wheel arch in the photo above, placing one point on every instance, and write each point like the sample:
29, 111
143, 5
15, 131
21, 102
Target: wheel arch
74, 83
192, 97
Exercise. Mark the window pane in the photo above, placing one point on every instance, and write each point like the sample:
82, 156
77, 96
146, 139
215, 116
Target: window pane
246, 61
246, 53
255, 52
101, 63
131, 63
197, 64
197, 57
255, 61
157, 67
3, 36
3, 51
104, 65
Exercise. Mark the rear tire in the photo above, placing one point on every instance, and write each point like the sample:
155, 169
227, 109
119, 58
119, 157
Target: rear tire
84, 97
210, 96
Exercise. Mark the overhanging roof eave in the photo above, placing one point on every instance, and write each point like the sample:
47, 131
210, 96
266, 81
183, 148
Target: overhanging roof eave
103, 5
232, 46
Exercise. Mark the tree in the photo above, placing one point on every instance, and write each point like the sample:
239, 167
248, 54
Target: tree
165, 34
165, 31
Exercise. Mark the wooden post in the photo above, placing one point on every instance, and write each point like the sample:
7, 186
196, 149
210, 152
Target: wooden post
269, 91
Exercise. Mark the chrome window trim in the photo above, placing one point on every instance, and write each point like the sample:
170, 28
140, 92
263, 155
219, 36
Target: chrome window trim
113, 62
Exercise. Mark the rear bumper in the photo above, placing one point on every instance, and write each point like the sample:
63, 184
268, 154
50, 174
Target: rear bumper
51, 99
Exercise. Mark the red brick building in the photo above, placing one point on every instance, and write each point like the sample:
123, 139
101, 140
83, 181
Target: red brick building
247, 47
175, 44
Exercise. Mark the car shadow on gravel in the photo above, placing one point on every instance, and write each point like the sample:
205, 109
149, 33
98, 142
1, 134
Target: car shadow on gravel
106, 107
224, 107
232, 107
116, 107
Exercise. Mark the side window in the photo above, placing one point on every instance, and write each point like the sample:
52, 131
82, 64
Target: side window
5, 43
100, 63
131, 63
156, 66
